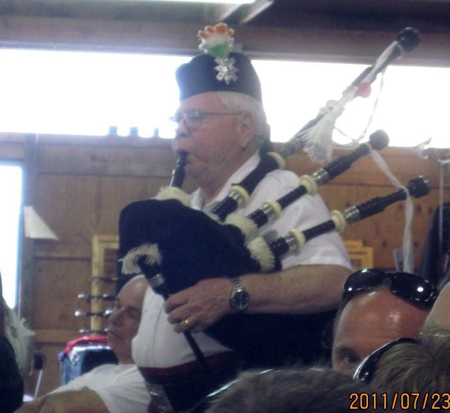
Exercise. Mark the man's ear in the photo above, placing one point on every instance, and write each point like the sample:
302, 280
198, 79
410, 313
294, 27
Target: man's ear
246, 129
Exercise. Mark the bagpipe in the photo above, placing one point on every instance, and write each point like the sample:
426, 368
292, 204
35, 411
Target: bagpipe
175, 246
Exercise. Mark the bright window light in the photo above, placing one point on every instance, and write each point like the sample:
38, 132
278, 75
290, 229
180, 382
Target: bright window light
87, 93
411, 109
10, 207
207, 1
193, 1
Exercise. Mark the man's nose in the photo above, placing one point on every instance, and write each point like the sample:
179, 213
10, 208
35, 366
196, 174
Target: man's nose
182, 129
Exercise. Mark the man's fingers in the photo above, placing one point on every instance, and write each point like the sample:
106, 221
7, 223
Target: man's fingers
186, 324
174, 302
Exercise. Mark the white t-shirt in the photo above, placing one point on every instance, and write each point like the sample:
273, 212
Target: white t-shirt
120, 386
157, 345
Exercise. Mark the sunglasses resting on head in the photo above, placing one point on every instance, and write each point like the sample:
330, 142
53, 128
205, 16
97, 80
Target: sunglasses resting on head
408, 286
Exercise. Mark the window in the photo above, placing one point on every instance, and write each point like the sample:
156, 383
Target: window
86, 93
10, 210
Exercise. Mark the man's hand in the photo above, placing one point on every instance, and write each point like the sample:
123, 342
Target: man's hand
200, 306
303, 289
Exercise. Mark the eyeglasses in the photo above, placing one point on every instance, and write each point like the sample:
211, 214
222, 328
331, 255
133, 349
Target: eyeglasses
194, 118
410, 287
366, 369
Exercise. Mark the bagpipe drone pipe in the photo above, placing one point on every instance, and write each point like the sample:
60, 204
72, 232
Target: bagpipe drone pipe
239, 194
176, 246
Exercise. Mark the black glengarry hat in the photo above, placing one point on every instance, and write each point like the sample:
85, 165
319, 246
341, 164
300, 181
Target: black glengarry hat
218, 70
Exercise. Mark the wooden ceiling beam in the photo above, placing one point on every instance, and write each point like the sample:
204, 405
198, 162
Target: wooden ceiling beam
176, 38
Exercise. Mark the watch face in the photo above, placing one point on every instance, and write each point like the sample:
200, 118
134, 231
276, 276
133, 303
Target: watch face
240, 300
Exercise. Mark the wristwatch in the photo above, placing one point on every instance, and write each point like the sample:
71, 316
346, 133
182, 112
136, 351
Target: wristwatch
239, 297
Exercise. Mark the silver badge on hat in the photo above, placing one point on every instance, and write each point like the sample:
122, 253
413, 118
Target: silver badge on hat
227, 70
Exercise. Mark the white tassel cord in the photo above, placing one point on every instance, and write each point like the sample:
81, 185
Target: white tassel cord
408, 261
355, 142
319, 138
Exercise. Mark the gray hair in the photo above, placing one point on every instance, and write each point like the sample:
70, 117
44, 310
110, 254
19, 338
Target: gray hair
239, 102
423, 367
291, 390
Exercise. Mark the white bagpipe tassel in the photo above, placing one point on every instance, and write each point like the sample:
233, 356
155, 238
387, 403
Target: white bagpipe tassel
318, 140
408, 256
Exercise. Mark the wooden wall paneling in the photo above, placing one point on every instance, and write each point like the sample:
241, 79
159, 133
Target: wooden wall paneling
403, 162
105, 161
57, 285
383, 231
11, 151
80, 190
77, 207
27, 271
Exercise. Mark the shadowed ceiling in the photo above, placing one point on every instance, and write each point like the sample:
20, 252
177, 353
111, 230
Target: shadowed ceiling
339, 29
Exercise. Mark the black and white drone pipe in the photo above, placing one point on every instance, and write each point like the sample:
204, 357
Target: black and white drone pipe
308, 184
266, 253
240, 194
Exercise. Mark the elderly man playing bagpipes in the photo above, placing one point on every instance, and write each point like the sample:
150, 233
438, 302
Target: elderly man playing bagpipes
222, 130
222, 127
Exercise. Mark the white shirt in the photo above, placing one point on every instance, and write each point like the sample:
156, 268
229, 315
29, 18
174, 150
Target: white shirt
303, 214
157, 345
120, 386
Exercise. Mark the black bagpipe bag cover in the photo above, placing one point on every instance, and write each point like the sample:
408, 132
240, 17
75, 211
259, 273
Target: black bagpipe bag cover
194, 247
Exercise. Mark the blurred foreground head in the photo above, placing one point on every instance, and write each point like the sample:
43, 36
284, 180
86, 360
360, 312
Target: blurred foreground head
420, 367
315, 390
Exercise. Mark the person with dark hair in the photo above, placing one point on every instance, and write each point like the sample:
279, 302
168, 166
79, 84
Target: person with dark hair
376, 308
316, 390
221, 126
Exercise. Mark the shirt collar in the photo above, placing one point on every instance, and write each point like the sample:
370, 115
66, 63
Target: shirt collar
197, 200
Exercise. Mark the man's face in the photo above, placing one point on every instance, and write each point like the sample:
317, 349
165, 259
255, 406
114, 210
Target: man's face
214, 145
370, 320
123, 323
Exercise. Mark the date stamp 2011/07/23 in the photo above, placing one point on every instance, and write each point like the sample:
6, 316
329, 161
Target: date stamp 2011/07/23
404, 401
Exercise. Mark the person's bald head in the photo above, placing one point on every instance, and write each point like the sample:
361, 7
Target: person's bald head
123, 323
370, 320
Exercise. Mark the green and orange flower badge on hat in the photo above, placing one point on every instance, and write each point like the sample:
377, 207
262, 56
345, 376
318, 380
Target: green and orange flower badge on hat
217, 42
